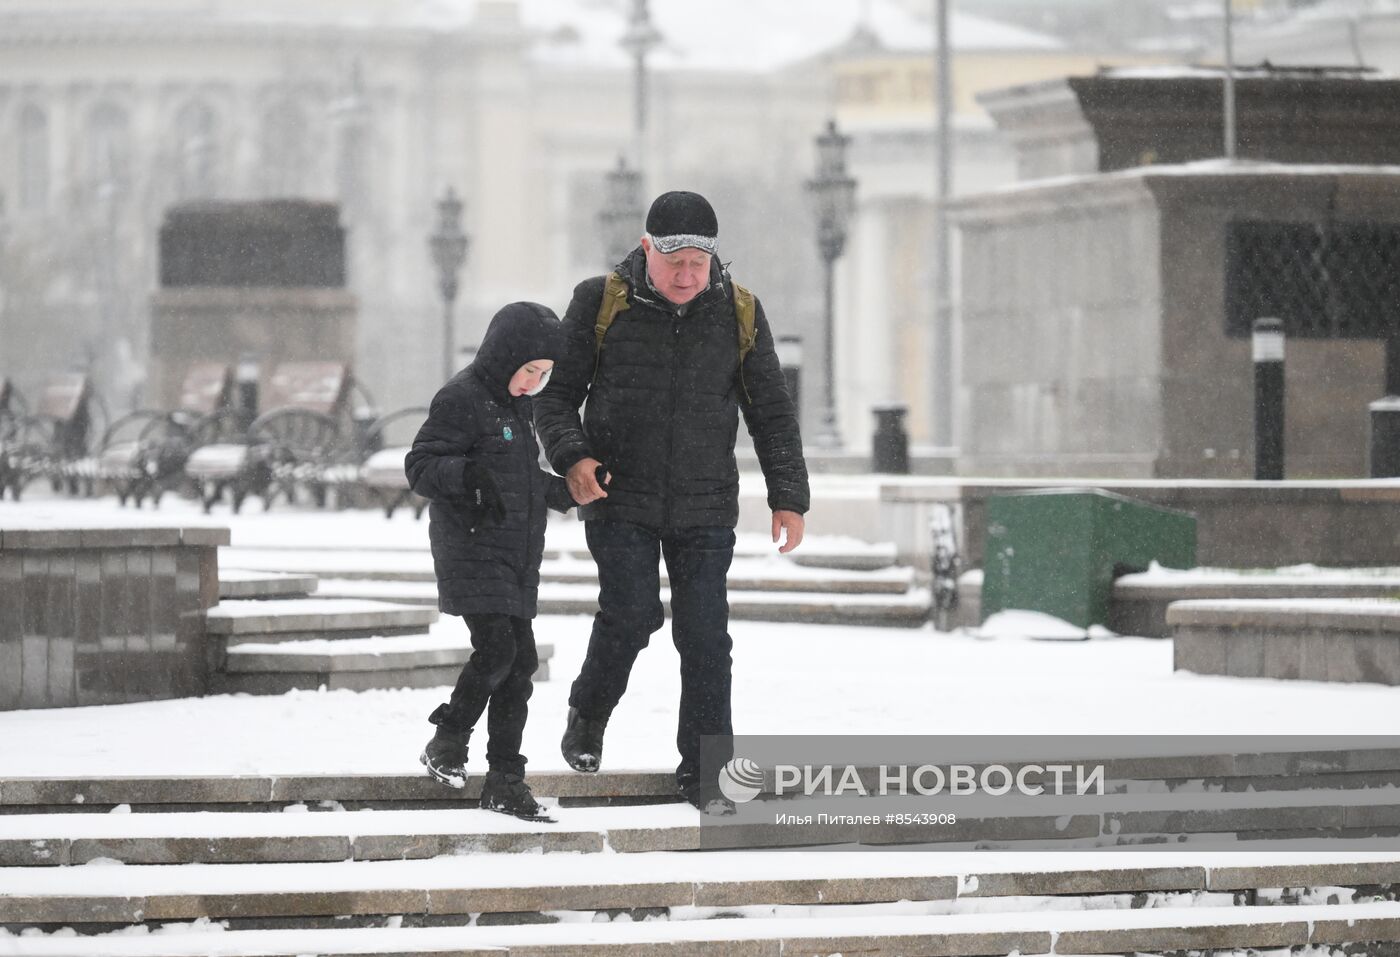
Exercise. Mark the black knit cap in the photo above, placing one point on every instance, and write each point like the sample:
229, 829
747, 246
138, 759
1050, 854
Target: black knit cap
679, 219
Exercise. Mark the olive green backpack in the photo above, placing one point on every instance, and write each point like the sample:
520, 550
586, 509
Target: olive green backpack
615, 301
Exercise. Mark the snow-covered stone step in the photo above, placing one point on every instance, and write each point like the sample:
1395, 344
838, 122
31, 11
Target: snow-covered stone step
745, 574
881, 929
1140, 601
1312, 639
297, 619
907, 610
500, 883
1232, 773
665, 884
409, 661
235, 583
1049, 822
351, 791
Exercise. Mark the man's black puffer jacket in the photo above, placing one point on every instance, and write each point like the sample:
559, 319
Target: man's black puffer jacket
663, 408
484, 567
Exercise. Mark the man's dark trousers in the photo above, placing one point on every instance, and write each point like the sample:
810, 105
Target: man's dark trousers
630, 610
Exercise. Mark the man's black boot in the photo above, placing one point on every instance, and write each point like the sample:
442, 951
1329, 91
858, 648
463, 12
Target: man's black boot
508, 793
445, 756
582, 746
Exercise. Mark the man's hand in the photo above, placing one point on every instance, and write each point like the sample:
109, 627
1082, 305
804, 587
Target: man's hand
792, 523
583, 481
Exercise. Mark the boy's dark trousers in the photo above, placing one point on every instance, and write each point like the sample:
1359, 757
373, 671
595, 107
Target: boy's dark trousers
497, 679
630, 610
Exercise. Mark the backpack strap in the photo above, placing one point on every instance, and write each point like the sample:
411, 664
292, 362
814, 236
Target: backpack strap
745, 313
614, 301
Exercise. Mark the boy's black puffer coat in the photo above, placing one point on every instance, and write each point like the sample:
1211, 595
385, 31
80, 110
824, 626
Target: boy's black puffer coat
664, 397
483, 567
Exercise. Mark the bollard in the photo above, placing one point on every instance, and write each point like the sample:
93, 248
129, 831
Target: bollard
789, 349
1385, 437
890, 447
1267, 340
246, 380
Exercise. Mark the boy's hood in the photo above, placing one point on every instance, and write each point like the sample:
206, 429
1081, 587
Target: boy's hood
519, 333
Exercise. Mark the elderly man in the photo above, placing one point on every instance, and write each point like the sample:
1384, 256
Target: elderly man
668, 350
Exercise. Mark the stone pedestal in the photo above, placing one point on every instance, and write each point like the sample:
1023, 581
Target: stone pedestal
105, 615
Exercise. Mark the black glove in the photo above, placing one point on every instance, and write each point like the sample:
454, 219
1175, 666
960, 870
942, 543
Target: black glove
482, 493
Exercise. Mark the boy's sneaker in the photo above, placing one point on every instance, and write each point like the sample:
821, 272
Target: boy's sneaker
582, 745
445, 757
508, 793
708, 800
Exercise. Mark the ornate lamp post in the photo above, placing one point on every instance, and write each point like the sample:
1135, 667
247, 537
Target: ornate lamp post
639, 40
621, 215
449, 247
832, 192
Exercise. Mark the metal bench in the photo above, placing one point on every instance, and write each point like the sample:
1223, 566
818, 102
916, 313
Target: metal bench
290, 446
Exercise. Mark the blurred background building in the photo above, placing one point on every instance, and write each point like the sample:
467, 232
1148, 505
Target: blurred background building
112, 112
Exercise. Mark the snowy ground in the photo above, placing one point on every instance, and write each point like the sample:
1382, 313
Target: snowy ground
801, 679
790, 679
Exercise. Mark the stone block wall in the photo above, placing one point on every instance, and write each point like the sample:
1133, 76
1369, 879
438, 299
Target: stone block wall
1309, 640
106, 615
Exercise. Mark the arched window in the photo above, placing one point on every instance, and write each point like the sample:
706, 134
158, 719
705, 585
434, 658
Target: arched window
33, 140
285, 153
196, 151
109, 138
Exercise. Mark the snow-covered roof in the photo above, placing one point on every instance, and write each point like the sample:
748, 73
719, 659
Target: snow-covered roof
752, 35
1242, 71
721, 35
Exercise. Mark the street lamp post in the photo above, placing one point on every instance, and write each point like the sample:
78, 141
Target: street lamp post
449, 248
621, 215
639, 40
832, 192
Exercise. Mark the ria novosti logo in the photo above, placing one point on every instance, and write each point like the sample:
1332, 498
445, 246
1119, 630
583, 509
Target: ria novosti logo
741, 780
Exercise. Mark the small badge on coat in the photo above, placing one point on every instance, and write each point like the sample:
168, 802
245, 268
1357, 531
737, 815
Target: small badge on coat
505, 431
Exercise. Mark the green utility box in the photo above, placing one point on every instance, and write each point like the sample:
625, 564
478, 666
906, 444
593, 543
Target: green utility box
1057, 551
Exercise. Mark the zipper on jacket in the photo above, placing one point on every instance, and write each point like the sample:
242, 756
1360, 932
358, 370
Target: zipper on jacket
671, 419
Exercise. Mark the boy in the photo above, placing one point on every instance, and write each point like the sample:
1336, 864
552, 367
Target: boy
476, 460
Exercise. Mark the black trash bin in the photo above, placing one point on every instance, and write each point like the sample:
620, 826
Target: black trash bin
1385, 437
890, 451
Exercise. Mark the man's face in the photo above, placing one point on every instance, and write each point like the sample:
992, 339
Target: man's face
679, 276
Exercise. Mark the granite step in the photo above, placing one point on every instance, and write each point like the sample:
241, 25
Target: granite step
875, 931
357, 664
298, 619
815, 552
237, 583
1202, 821
746, 573
316, 792
907, 610
659, 885
1226, 772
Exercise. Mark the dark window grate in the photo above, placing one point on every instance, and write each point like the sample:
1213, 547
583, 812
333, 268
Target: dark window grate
1325, 281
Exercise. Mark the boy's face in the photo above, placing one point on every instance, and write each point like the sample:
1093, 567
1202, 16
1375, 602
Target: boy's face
530, 377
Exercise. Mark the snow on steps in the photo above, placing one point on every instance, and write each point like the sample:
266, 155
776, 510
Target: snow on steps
670, 886
299, 619
1376, 769
242, 584
1204, 820
907, 610
411, 661
769, 573
1064, 932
